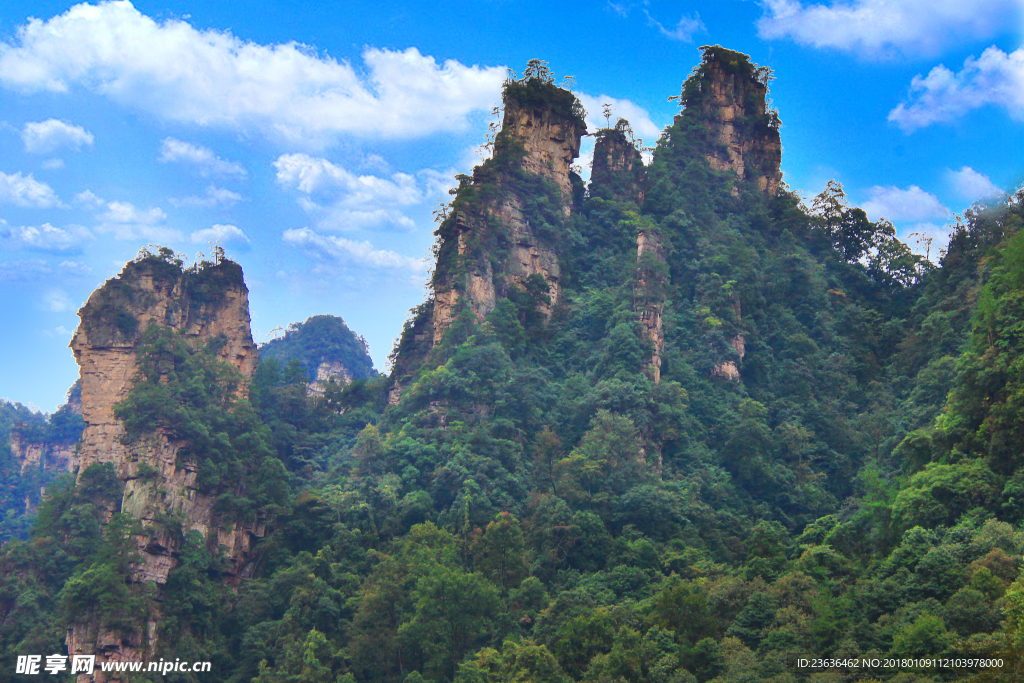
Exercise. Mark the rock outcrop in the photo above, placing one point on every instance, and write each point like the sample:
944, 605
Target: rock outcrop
617, 172
207, 305
726, 98
649, 298
730, 369
327, 372
488, 245
46, 456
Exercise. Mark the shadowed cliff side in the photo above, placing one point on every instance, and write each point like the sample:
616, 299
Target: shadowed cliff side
618, 170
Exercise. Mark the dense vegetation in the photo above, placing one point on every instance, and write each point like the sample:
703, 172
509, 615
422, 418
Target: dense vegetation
537, 509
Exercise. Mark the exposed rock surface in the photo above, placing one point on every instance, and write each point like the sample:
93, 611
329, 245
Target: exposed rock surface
325, 372
206, 306
650, 295
551, 141
539, 139
730, 103
730, 369
617, 172
48, 457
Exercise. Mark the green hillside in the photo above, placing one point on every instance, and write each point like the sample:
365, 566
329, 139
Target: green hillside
828, 465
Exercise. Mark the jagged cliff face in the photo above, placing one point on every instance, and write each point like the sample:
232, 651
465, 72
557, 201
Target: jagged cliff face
551, 141
650, 296
730, 104
617, 170
538, 140
213, 307
48, 457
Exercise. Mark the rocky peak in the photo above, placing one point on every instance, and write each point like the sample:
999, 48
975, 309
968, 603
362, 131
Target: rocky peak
618, 169
726, 96
529, 174
543, 119
207, 304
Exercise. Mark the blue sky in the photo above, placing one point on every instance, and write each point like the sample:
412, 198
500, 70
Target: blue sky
313, 143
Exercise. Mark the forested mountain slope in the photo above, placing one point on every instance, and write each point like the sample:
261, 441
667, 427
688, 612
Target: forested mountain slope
674, 426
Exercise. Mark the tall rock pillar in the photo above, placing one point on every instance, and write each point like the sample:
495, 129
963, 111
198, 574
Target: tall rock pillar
487, 245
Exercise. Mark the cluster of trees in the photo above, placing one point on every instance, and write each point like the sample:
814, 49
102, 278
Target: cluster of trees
536, 508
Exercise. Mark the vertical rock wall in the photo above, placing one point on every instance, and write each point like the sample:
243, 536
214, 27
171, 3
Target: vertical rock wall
617, 171
209, 305
540, 139
650, 296
729, 103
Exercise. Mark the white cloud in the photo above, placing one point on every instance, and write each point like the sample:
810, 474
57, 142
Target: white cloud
995, 78
895, 204
971, 184
76, 268
351, 251
203, 157
57, 301
88, 199
212, 78
44, 137
638, 117
341, 199
682, 31
24, 190
125, 222
45, 238
221, 234
314, 174
621, 8
437, 183
215, 196
53, 164
880, 28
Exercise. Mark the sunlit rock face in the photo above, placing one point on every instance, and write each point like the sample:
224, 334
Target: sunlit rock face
207, 307
650, 297
488, 245
739, 131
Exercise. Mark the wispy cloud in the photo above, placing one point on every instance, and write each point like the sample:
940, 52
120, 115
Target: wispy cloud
44, 238
24, 190
638, 117
897, 204
214, 196
57, 301
212, 78
45, 137
970, 184
351, 251
220, 234
996, 78
38, 269
886, 28
202, 157
683, 31
340, 199
126, 222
